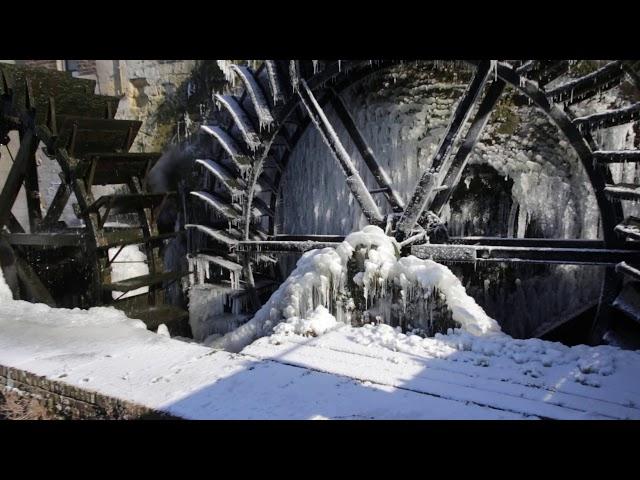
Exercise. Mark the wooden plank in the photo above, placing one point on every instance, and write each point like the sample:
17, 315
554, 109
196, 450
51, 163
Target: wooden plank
53, 240
84, 135
129, 202
134, 283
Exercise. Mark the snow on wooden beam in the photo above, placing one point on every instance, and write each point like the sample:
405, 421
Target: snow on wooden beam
626, 269
315, 238
623, 191
485, 253
255, 93
630, 228
380, 175
241, 119
610, 118
239, 159
431, 179
528, 242
275, 82
330, 137
283, 246
616, 156
588, 85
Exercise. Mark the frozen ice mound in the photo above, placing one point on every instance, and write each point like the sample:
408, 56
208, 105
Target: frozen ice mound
315, 297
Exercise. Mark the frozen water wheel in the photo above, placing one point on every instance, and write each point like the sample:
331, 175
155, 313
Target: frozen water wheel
234, 209
73, 260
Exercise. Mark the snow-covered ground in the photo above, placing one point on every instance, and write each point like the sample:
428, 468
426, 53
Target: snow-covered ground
310, 365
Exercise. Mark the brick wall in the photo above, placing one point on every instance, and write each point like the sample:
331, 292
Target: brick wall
63, 401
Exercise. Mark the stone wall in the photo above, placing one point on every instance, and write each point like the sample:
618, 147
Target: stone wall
150, 89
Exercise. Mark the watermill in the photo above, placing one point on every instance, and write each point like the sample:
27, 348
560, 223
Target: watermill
70, 263
233, 219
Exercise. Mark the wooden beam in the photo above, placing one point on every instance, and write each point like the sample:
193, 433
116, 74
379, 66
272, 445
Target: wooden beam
588, 85
532, 242
14, 224
32, 191
380, 175
432, 178
283, 246
330, 137
16, 175
492, 253
315, 238
53, 240
57, 206
454, 173
610, 118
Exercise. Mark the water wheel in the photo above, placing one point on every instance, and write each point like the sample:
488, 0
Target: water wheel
70, 263
233, 224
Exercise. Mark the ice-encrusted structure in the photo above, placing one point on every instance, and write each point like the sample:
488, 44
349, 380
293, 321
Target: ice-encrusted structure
325, 289
403, 113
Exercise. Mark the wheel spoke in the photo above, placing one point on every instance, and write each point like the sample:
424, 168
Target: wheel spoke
432, 178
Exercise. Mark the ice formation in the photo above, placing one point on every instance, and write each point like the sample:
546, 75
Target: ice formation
315, 296
550, 197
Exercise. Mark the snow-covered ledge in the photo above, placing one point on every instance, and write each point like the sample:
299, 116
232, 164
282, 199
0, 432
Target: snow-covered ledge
312, 366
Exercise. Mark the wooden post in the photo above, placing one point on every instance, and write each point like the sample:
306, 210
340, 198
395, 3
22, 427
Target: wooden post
17, 175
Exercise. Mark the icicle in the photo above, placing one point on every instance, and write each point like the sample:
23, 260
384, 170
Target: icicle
494, 68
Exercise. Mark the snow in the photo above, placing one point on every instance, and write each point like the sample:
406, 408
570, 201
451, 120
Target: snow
129, 263
318, 322
163, 330
543, 379
320, 279
373, 372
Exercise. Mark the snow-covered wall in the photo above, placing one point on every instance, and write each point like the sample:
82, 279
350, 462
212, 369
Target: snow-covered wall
403, 113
